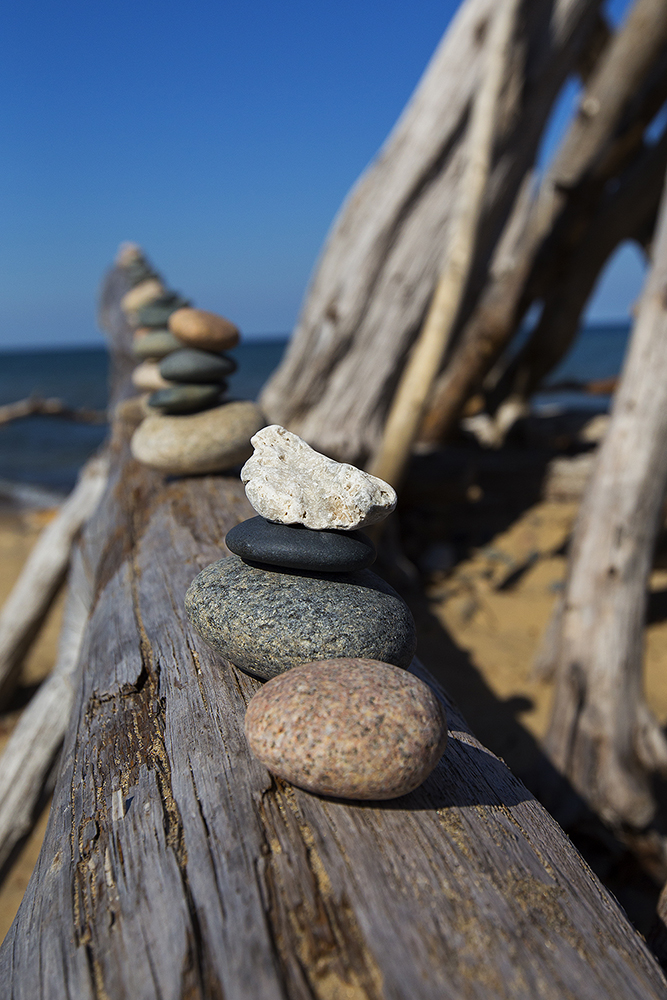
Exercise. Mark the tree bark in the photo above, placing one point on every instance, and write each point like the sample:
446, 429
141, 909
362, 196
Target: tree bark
602, 736
618, 102
174, 866
382, 259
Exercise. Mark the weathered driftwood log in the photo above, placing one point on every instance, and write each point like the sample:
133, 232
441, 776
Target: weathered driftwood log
387, 247
174, 865
602, 736
623, 93
36, 406
43, 574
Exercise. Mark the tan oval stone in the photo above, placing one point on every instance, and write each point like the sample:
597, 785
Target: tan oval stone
147, 378
141, 295
351, 728
203, 329
210, 441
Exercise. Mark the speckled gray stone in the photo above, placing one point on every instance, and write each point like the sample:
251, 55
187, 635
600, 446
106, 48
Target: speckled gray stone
352, 728
185, 398
294, 547
268, 621
156, 344
192, 365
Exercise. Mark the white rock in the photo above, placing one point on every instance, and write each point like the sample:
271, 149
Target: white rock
289, 482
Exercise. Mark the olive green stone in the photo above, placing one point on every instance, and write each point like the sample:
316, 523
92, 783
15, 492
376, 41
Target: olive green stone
192, 365
185, 398
156, 344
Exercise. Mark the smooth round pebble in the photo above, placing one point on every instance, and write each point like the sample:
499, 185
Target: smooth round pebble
142, 294
351, 728
266, 621
185, 398
295, 547
147, 378
157, 312
192, 365
207, 330
155, 344
210, 441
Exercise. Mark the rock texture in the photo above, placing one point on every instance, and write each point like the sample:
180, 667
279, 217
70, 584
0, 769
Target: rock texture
295, 547
155, 344
185, 398
287, 481
147, 378
192, 365
351, 728
267, 622
142, 294
207, 330
210, 441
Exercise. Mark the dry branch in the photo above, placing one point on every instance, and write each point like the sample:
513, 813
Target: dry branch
424, 363
602, 736
592, 151
376, 277
43, 574
28, 759
36, 406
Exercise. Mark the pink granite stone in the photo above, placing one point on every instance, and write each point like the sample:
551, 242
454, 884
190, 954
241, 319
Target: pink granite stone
350, 728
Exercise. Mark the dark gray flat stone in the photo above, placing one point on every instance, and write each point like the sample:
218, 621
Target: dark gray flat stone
156, 344
185, 398
138, 271
266, 622
191, 365
157, 312
295, 547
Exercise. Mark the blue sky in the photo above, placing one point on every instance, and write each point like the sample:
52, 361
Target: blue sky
221, 136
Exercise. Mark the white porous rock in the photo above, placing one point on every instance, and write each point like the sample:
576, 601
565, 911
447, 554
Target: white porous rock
289, 482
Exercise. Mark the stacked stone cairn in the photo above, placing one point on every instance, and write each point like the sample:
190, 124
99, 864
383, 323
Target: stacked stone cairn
191, 426
297, 606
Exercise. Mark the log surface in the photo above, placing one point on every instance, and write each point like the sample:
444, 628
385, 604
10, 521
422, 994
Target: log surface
174, 866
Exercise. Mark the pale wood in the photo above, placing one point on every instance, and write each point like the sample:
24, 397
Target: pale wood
588, 151
602, 736
414, 388
382, 259
27, 761
36, 406
44, 572
175, 867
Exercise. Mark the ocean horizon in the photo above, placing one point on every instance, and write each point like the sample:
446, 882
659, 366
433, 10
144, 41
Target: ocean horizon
48, 451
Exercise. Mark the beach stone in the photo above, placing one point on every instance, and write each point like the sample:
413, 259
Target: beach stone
157, 312
288, 481
266, 621
198, 328
191, 365
185, 398
142, 294
351, 728
210, 441
295, 547
147, 378
155, 344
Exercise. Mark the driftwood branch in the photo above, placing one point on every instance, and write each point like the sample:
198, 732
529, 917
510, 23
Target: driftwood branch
43, 574
592, 151
52, 407
28, 759
602, 736
381, 263
414, 388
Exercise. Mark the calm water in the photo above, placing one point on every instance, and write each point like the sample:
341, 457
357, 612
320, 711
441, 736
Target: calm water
48, 451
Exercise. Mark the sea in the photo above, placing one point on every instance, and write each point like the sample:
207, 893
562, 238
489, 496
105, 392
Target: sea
47, 452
